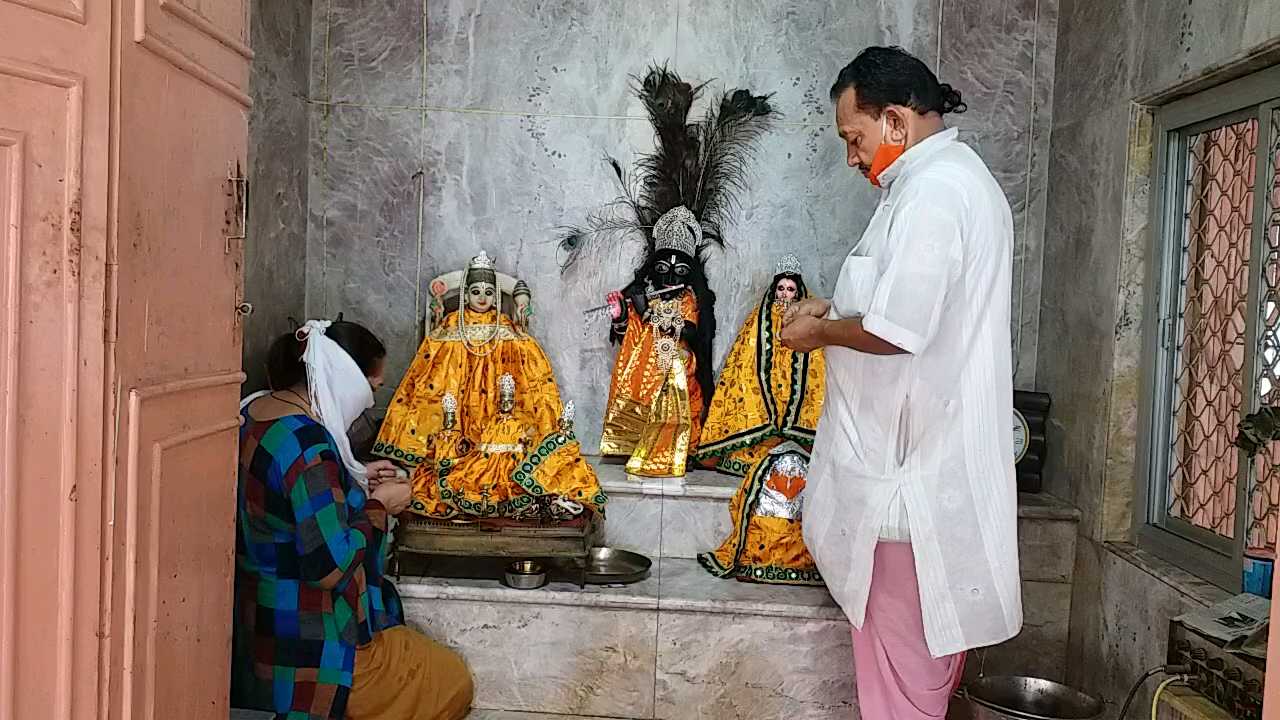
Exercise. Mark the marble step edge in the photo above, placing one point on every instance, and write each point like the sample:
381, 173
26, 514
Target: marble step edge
685, 587
711, 485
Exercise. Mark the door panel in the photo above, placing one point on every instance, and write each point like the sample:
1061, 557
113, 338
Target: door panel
182, 129
54, 100
178, 549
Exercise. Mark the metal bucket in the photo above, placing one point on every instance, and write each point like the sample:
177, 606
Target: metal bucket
1014, 697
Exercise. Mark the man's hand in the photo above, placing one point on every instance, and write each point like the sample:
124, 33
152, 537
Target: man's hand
809, 307
803, 333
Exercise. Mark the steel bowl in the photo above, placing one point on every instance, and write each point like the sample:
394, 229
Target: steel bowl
610, 566
525, 575
1014, 697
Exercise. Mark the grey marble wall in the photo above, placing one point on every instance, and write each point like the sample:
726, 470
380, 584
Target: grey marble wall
1095, 253
279, 82
444, 127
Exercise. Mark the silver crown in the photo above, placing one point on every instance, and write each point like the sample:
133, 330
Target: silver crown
678, 229
450, 403
788, 264
507, 386
481, 270
568, 413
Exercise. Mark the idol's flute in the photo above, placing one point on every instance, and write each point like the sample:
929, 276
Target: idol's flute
647, 296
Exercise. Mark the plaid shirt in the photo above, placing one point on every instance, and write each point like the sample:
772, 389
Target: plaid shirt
311, 551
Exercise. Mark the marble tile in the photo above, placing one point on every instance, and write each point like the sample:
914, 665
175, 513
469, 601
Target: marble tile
1094, 68
1046, 549
731, 666
562, 57
693, 525
1177, 41
795, 48
589, 662
633, 522
988, 54
274, 274
1113, 638
686, 586
1077, 320
1123, 446
1040, 650
369, 244
375, 52
512, 715
637, 596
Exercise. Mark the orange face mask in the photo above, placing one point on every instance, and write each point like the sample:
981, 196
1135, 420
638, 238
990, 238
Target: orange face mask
886, 154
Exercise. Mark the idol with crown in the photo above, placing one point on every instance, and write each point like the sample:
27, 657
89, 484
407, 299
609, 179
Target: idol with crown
760, 426
664, 319
766, 393
477, 332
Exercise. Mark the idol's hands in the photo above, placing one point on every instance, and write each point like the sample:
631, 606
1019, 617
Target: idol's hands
809, 307
394, 496
803, 333
614, 298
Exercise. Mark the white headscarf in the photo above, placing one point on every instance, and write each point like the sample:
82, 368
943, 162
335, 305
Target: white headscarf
339, 390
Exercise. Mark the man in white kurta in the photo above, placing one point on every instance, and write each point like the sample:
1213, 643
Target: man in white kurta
912, 479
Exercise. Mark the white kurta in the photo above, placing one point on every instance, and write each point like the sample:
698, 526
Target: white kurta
932, 275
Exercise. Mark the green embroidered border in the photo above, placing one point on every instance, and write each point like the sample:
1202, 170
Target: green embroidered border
392, 452
461, 503
777, 575
522, 476
733, 466
712, 565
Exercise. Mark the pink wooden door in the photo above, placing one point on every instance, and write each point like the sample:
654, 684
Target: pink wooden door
119, 354
54, 118
182, 130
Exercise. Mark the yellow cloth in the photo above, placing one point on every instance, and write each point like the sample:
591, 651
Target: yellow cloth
503, 474
764, 549
480, 483
766, 393
405, 675
467, 360
653, 416
445, 446
555, 466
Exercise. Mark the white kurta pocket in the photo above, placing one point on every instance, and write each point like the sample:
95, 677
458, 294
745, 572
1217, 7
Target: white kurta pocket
856, 286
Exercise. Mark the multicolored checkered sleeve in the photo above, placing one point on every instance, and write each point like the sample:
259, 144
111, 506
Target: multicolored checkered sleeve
331, 540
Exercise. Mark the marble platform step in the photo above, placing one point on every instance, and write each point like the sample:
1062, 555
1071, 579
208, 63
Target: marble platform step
680, 522
515, 715
678, 645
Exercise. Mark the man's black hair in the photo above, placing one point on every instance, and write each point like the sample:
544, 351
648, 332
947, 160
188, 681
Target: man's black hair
884, 76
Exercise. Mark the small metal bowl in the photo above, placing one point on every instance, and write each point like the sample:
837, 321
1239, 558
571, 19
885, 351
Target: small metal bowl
525, 575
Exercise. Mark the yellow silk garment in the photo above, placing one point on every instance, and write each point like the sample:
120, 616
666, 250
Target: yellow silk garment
764, 548
467, 359
503, 474
653, 416
767, 393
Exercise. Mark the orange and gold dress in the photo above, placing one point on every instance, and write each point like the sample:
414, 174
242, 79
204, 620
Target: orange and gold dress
767, 545
466, 359
654, 414
504, 473
760, 425
767, 393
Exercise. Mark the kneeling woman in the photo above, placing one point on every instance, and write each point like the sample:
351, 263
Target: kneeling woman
322, 626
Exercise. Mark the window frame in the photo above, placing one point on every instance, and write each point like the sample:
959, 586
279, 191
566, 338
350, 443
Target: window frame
1199, 551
